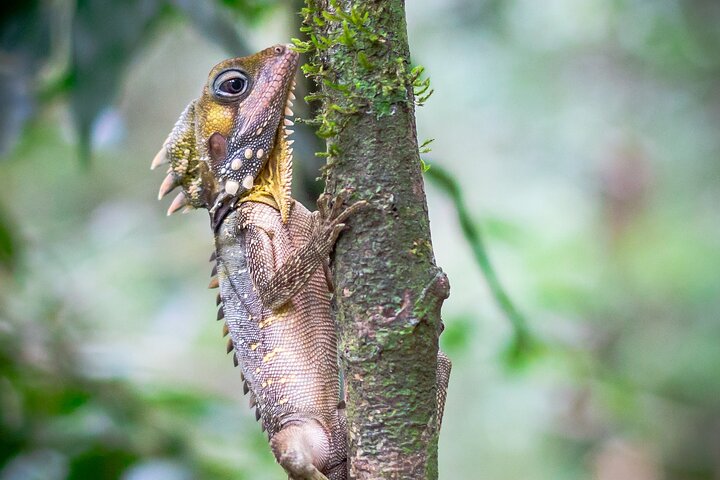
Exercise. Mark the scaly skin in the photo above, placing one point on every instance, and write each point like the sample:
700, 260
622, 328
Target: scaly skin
288, 354
230, 154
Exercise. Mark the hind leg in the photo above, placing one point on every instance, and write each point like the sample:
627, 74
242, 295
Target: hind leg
302, 449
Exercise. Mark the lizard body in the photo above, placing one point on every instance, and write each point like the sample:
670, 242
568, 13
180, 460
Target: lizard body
230, 153
288, 355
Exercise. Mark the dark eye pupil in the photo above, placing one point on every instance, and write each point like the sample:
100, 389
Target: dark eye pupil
234, 86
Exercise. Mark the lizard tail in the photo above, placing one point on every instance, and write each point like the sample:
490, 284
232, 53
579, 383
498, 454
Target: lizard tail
443, 378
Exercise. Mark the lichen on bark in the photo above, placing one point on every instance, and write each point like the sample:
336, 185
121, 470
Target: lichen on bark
388, 289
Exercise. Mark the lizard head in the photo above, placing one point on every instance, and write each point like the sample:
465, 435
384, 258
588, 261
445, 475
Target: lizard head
231, 143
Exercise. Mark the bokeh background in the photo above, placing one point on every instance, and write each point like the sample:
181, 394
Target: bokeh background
581, 143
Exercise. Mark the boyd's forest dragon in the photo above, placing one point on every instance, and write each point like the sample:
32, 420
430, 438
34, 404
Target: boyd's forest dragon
230, 153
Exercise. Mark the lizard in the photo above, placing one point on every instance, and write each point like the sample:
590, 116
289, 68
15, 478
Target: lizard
230, 153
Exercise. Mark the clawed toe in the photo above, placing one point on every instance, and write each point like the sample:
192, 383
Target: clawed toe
333, 210
355, 207
323, 204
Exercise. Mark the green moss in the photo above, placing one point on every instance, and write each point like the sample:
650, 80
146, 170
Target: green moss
356, 42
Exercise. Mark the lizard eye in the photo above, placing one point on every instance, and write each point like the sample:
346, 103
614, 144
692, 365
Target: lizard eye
230, 84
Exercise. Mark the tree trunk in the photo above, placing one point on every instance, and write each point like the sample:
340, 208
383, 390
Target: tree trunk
388, 289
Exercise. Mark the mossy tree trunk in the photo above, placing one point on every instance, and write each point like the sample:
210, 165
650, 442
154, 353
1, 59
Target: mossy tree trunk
388, 289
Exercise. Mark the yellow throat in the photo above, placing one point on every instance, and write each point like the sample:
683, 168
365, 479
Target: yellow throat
274, 183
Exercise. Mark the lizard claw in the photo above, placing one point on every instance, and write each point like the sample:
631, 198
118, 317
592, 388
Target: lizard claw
323, 204
351, 210
338, 202
335, 232
331, 217
332, 208
329, 206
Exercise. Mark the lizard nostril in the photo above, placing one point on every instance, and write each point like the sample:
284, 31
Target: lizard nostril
279, 49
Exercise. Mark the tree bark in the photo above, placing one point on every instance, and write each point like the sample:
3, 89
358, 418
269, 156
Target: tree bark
388, 289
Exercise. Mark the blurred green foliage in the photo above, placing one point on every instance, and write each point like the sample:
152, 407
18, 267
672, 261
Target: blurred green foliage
523, 345
85, 57
579, 136
9, 244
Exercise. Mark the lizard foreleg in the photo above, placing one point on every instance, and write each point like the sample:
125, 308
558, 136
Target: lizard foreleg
276, 286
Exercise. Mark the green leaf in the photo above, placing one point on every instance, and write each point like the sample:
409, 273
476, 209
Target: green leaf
425, 147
